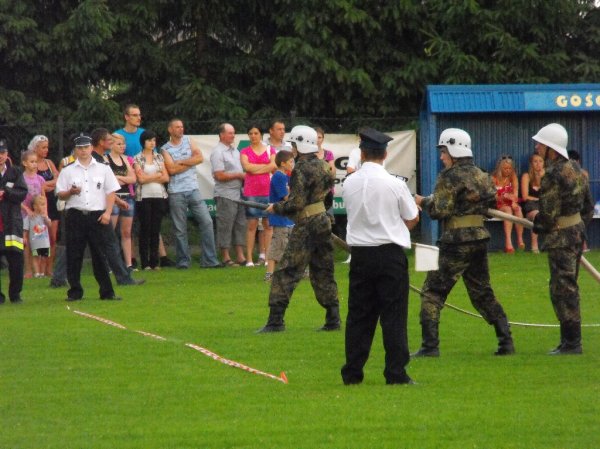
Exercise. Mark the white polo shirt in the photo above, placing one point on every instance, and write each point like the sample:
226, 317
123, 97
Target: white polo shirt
377, 204
96, 181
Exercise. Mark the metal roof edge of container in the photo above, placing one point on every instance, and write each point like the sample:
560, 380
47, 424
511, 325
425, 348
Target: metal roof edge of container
463, 98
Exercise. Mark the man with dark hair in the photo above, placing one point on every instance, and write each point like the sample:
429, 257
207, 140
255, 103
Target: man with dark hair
381, 213
229, 177
181, 156
276, 135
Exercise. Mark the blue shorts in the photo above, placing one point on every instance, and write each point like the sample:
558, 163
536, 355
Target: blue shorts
251, 212
125, 213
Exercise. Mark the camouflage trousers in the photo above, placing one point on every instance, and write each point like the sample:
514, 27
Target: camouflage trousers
310, 244
564, 291
470, 261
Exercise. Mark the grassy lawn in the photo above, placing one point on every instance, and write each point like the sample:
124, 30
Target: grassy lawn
71, 382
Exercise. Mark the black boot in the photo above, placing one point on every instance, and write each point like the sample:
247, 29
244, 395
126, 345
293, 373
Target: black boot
556, 350
429, 347
332, 319
505, 341
572, 339
275, 321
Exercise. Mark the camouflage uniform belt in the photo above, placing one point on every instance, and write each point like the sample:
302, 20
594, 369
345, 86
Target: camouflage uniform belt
566, 222
312, 209
465, 221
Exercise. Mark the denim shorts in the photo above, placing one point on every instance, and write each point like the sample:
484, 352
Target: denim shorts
251, 212
125, 213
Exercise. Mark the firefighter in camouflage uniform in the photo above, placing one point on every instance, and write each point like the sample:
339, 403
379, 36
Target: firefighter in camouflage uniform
310, 241
462, 195
566, 206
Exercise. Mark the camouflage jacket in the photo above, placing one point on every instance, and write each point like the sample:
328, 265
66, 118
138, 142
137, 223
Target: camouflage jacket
310, 182
564, 192
462, 189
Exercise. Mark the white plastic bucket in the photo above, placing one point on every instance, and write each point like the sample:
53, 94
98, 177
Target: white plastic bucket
426, 257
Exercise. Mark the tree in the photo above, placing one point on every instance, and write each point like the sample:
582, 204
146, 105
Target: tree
216, 60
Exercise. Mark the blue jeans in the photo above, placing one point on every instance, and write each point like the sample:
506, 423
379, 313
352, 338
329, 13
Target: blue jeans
179, 203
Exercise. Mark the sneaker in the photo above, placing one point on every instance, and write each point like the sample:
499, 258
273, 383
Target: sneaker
132, 282
268, 277
111, 298
249, 264
166, 262
57, 284
261, 261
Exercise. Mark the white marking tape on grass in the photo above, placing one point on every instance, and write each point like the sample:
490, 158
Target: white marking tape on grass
515, 323
102, 320
281, 378
148, 334
218, 358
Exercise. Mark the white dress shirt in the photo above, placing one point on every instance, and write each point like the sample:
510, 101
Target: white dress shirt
377, 204
96, 181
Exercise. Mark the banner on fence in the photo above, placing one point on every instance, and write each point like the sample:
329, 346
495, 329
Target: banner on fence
401, 161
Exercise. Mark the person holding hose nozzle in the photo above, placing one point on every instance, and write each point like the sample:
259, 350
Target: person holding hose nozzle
310, 241
566, 206
462, 195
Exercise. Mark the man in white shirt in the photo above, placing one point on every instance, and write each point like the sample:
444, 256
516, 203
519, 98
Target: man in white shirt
88, 187
381, 212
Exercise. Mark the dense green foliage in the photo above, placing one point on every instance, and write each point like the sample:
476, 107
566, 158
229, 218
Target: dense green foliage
71, 382
82, 60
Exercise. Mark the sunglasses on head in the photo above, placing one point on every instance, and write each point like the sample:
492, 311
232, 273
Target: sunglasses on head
506, 156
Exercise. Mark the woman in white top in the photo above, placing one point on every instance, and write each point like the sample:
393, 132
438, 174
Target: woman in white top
151, 198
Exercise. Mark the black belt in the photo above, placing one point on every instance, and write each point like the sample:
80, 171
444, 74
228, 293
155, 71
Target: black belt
85, 212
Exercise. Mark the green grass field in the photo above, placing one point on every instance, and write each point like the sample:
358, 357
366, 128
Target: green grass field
71, 382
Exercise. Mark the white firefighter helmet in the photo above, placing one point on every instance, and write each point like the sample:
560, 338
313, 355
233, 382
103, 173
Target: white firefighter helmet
554, 136
457, 141
305, 139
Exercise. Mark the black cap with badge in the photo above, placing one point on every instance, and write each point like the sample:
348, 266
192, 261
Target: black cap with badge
82, 140
371, 139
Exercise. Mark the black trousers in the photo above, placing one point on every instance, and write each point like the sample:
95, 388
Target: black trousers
150, 212
84, 229
15, 274
378, 292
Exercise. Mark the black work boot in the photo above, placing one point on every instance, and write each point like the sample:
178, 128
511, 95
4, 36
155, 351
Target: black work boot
556, 350
505, 341
572, 339
274, 322
429, 347
332, 319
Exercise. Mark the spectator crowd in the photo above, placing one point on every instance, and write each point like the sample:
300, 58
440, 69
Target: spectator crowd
153, 181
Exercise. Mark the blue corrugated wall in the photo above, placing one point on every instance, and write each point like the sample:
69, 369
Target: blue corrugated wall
494, 134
